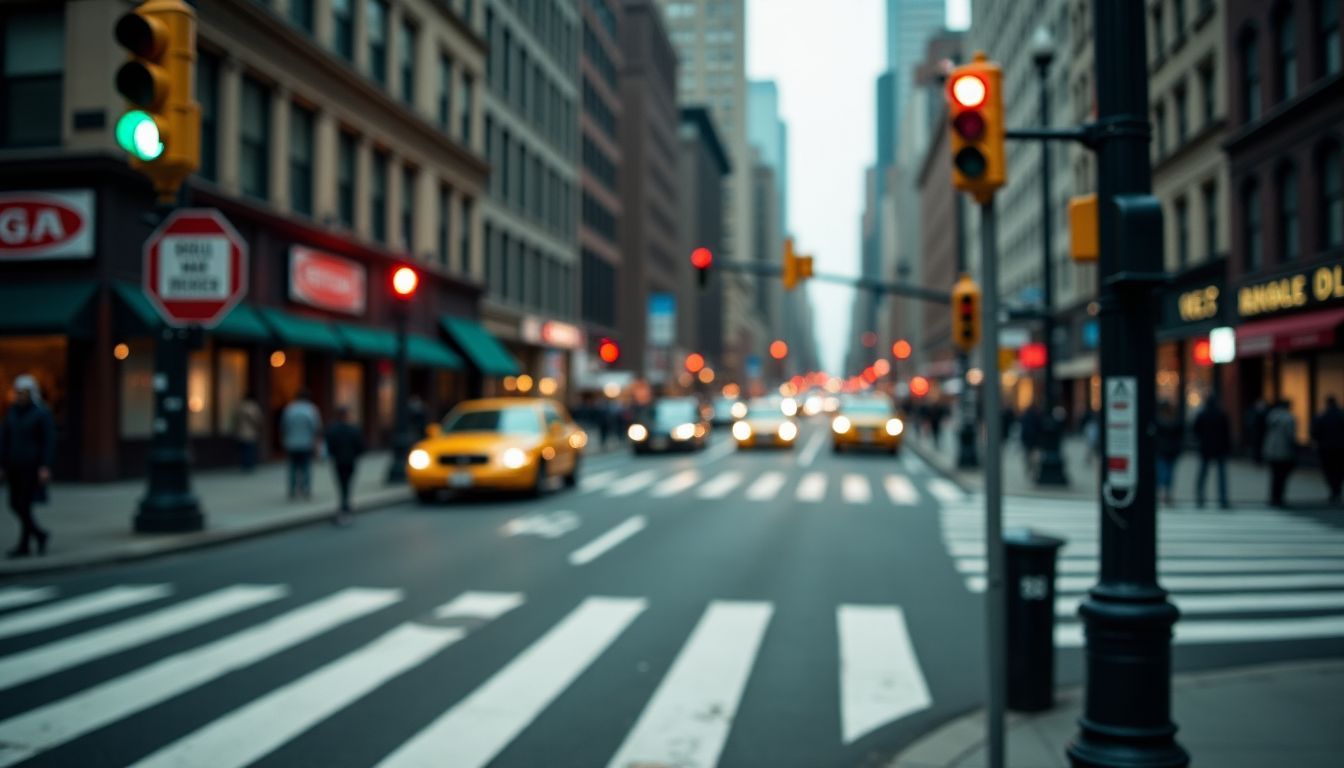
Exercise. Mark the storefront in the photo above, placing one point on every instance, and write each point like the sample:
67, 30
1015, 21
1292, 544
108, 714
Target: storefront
1194, 303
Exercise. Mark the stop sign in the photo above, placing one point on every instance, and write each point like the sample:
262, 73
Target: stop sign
195, 267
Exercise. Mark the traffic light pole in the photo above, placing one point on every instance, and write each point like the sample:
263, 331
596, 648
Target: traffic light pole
876, 286
1126, 718
995, 597
401, 430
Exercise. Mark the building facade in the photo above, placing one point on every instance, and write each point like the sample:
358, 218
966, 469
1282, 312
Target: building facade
702, 166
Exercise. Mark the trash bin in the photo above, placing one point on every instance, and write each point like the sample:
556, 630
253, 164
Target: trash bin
1029, 575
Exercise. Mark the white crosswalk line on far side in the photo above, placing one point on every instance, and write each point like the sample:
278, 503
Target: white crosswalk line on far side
1230, 631
855, 490
945, 490
1193, 565
479, 605
722, 485
476, 729
687, 720
675, 484
13, 597
631, 483
51, 725
880, 677
1258, 602
812, 487
591, 481
766, 487
1203, 583
82, 607
900, 490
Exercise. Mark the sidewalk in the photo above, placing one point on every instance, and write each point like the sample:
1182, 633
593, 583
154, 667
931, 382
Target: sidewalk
91, 523
1282, 714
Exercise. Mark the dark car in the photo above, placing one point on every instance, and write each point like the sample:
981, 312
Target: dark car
672, 423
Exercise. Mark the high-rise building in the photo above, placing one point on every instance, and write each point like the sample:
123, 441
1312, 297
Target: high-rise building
910, 24
703, 165
769, 135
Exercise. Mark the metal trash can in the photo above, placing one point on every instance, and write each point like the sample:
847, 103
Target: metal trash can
1029, 578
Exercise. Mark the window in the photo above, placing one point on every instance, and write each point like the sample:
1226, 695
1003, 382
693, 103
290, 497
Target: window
1250, 77
445, 90
1178, 18
1182, 233
445, 216
1159, 34
301, 13
464, 239
598, 300
207, 95
343, 29
33, 45
1210, 195
1182, 116
464, 108
378, 197
255, 124
346, 153
408, 209
1332, 196
506, 149
406, 55
375, 18
491, 260
1250, 206
1160, 128
1290, 237
1207, 93
1286, 54
301, 160
1329, 45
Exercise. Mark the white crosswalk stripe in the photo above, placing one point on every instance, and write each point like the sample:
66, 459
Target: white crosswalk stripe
720, 486
13, 597
855, 490
591, 481
880, 678
675, 484
74, 609
767, 486
900, 490
812, 487
631, 484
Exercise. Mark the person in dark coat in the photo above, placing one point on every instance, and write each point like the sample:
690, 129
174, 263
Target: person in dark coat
1214, 435
1327, 431
344, 445
1255, 429
1031, 436
1280, 450
27, 451
1170, 433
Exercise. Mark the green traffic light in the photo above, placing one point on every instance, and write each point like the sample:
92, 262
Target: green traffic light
138, 134
971, 162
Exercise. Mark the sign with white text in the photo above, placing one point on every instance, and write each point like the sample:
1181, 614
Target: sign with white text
195, 267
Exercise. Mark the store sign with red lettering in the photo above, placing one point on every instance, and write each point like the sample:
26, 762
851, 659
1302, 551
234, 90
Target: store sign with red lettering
56, 224
326, 281
551, 333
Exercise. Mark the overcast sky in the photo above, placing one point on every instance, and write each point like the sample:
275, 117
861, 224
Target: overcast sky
826, 64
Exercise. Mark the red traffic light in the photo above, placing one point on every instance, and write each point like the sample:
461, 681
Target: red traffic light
695, 362
1202, 353
901, 349
971, 125
778, 349
969, 91
404, 282
608, 351
1032, 356
701, 258
919, 386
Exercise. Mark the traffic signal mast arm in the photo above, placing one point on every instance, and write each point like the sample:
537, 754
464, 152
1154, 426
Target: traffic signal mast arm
762, 269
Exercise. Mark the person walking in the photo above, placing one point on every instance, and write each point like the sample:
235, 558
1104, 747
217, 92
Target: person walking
1254, 420
344, 445
1170, 434
1213, 432
1280, 449
247, 431
300, 431
1327, 431
27, 451
1031, 436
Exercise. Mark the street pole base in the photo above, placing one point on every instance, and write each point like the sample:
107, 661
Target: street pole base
169, 513
1051, 468
966, 451
1097, 747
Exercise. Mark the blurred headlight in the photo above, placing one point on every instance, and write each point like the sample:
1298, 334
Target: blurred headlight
741, 431
739, 410
638, 433
830, 404
812, 406
788, 430
895, 427
578, 440
841, 425
789, 406
683, 431
513, 458
419, 459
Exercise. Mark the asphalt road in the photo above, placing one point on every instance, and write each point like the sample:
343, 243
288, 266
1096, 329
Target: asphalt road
739, 609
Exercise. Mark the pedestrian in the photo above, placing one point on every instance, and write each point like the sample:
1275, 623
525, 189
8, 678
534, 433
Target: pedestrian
344, 445
1006, 419
1213, 432
247, 431
1255, 429
300, 434
1327, 431
1092, 435
1280, 449
27, 451
1031, 437
417, 418
1170, 433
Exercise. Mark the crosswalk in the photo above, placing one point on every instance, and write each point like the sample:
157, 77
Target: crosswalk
686, 717
1239, 576
806, 487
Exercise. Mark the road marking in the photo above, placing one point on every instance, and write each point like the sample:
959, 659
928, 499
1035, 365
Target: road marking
675, 484
599, 546
593, 481
632, 483
479, 605
855, 489
809, 452
901, 491
548, 525
480, 726
82, 607
1198, 565
13, 597
1081, 534
880, 678
94, 644
767, 486
1265, 602
1086, 512
716, 452
945, 490
1218, 583
1089, 550
265, 724
686, 722
720, 486
1241, 631
812, 487
37, 730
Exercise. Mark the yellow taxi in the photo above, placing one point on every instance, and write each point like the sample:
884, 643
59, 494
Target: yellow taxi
867, 422
764, 424
511, 444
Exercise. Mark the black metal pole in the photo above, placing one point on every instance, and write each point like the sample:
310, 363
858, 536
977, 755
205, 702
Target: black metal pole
169, 506
1126, 718
967, 432
401, 429
1050, 469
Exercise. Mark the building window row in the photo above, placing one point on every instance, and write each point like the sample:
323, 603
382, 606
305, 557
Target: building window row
32, 57
598, 110
520, 274
1284, 30
596, 53
1328, 198
520, 81
548, 25
598, 218
598, 165
599, 290
526, 183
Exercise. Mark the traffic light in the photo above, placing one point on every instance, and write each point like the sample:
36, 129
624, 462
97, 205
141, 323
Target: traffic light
900, 349
965, 313
701, 258
695, 362
161, 130
404, 282
975, 115
779, 349
1084, 237
608, 351
796, 268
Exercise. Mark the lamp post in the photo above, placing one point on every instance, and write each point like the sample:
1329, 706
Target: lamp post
404, 282
1050, 470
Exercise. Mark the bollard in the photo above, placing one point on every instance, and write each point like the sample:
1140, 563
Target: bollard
1029, 560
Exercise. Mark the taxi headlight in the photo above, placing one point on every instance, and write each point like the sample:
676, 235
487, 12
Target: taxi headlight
419, 459
895, 427
739, 410
683, 431
741, 431
789, 406
513, 458
812, 406
841, 425
788, 430
578, 440
638, 433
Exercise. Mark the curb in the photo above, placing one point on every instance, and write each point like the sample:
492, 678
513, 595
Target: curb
942, 466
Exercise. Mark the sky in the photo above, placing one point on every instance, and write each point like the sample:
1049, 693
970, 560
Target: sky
826, 65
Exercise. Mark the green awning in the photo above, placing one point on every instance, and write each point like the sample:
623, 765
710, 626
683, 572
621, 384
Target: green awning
296, 331
484, 351
241, 323
28, 306
422, 350
367, 342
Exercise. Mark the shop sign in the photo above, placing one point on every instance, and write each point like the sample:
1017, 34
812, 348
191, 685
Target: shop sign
1309, 288
326, 281
46, 225
662, 327
195, 267
1198, 305
551, 333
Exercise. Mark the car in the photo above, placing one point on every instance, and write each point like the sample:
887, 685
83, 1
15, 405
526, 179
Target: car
670, 423
727, 410
867, 422
764, 424
505, 444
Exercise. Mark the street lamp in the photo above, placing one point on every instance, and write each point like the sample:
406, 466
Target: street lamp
1050, 470
405, 281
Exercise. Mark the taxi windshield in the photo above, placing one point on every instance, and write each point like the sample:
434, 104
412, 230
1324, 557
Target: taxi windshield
673, 412
764, 409
509, 421
867, 407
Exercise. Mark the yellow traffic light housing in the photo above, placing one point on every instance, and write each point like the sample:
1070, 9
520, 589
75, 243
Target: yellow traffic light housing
975, 122
796, 268
1084, 234
965, 313
162, 128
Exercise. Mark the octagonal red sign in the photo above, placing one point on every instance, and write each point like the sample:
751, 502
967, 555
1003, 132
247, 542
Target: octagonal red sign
195, 268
